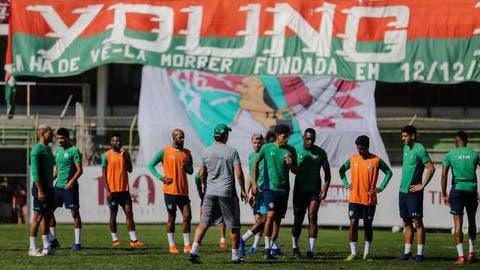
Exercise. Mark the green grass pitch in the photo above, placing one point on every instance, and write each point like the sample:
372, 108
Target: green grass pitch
332, 247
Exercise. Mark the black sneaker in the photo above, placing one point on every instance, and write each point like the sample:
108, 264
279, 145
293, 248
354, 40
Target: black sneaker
194, 258
54, 243
296, 253
267, 255
309, 254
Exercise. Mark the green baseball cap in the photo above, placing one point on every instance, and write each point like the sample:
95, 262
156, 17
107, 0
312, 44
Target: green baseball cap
221, 129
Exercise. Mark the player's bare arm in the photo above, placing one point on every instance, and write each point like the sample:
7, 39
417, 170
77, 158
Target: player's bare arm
74, 179
241, 182
430, 170
328, 178
443, 183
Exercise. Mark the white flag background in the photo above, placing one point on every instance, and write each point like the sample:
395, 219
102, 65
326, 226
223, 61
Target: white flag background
196, 102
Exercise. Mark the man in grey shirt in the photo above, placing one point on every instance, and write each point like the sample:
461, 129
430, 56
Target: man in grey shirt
219, 165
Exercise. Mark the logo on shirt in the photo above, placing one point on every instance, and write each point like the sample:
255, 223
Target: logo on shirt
66, 155
369, 167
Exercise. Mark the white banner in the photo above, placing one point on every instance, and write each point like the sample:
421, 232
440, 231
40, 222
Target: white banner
196, 102
149, 206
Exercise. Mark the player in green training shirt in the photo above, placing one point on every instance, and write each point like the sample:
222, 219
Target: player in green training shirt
308, 190
255, 201
415, 161
463, 161
279, 159
68, 168
42, 162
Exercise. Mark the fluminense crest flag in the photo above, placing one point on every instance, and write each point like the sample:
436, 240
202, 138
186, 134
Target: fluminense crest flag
196, 102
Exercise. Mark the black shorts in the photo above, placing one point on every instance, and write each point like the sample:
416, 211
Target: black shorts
274, 200
47, 203
460, 199
69, 197
18, 207
257, 203
302, 200
361, 211
121, 198
172, 202
411, 204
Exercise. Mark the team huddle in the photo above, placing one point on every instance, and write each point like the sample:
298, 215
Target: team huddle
268, 188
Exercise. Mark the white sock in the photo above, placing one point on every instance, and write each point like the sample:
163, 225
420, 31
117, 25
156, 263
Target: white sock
366, 248
408, 248
267, 242
45, 241
460, 249
133, 236
33, 242
186, 239
258, 237
275, 245
247, 235
222, 239
171, 239
114, 236
195, 247
311, 243
353, 248
235, 254
420, 249
53, 233
471, 245
294, 242
77, 231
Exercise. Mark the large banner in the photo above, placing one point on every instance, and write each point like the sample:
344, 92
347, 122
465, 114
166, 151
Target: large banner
196, 102
149, 205
394, 41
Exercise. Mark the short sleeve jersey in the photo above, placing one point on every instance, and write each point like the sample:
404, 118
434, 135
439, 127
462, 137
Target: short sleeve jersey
117, 175
251, 160
364, 176
42, 163
172, 163
219, 160
310, 161
463, 162
66, 160
273, 156
413, 166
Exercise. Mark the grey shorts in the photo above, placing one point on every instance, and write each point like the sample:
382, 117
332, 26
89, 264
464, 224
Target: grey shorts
215, 208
